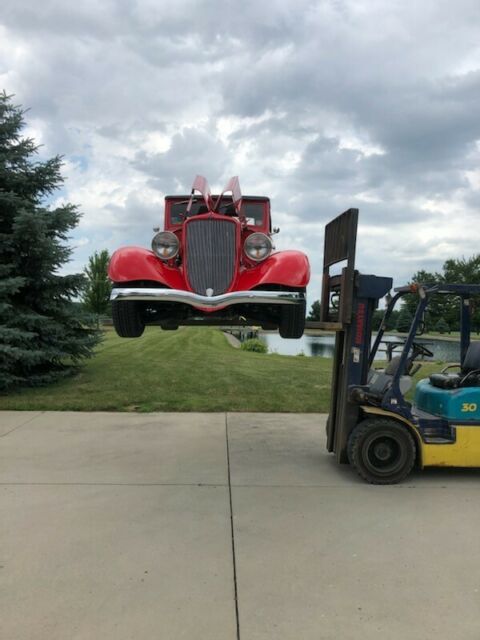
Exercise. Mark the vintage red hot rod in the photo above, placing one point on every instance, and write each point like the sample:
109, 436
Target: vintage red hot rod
213, 264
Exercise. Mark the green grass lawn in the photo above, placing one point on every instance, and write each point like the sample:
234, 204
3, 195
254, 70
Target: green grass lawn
193, 369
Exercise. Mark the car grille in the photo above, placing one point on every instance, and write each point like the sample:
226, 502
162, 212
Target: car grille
210, 255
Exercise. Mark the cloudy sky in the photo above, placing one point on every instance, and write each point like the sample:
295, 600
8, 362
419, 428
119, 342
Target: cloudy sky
320, 105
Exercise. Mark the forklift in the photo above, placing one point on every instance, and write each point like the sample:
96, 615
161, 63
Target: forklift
371, 424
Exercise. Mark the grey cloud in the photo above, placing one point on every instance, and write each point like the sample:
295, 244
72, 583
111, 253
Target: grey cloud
191, 152
135, 216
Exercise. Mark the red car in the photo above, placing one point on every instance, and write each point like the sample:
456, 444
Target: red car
214, 264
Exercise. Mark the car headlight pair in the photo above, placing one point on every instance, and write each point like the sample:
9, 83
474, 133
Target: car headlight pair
257, 247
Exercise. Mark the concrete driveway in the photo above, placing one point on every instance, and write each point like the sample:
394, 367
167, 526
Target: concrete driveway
206, 526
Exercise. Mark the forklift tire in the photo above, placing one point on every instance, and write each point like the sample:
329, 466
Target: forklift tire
127, 319
382, 451
292, 320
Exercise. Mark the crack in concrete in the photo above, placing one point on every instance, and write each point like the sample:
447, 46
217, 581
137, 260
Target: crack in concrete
37, 415
232, 528
115, 484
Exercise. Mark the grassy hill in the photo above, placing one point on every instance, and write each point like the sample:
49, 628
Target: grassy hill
193, 369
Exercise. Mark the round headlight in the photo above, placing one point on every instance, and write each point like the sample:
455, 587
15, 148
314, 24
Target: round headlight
165, 245
258, 246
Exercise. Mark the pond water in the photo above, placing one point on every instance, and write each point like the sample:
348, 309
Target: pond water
444, 350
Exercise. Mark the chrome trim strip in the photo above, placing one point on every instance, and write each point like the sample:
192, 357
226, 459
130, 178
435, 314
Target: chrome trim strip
209, 302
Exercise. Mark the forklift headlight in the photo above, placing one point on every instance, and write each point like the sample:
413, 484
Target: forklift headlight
165, 245
258, 246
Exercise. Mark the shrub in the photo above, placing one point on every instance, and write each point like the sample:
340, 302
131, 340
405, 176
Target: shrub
442, 326
254, 344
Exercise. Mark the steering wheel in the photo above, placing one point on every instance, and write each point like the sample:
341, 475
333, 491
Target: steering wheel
421, 350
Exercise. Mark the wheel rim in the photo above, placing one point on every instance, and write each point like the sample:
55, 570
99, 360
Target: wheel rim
384, 453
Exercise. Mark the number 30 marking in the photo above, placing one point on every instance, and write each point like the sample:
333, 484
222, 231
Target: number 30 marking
468, 407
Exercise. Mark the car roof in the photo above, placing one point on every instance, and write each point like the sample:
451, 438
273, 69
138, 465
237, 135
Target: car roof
186, 197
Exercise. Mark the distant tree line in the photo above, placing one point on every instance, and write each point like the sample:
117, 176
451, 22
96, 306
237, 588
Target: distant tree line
443, 312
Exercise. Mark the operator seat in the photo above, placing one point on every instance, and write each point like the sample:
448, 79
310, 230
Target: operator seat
469, 375
380, 380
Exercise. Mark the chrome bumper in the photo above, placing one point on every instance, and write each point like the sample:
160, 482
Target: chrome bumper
208, 302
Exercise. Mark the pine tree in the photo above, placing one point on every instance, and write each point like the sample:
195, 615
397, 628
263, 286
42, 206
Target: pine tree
43, 334
96, 295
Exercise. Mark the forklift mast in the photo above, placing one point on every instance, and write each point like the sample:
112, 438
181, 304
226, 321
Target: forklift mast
348, 301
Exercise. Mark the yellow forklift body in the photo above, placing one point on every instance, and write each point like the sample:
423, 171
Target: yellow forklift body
464, 452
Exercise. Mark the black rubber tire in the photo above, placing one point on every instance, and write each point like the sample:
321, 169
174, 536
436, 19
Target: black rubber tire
382, 451
127, 319
292, 320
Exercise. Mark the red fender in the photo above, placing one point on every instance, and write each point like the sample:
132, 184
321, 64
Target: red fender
288, 268
136, 263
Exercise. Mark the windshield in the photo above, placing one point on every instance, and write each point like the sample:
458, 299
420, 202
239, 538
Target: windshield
252, 211
178, 210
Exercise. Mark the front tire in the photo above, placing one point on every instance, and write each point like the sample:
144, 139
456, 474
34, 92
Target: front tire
292, 320
381, 450
127, 319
